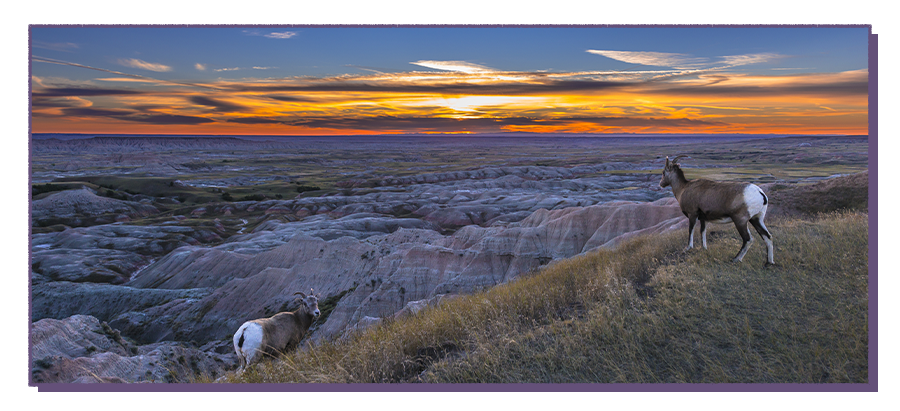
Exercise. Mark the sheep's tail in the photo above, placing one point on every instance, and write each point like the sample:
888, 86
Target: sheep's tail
239, 348
765, 197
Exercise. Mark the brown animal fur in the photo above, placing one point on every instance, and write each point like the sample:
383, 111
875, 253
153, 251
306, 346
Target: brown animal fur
280, 333
713, 201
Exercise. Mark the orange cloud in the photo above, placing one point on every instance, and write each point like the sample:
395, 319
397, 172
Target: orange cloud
463, 98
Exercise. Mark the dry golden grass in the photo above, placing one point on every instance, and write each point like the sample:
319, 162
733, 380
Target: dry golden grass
643, 313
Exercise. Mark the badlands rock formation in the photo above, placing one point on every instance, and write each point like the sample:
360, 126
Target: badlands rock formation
81, 349
132, 301
59, 299
76, 207
384, 244
255, 274
108, 253
835, 193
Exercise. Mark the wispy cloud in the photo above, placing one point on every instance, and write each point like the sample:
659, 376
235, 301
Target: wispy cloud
370, 69
652, 58
134, 76
199, 66
388, 123
64, 46
63, 102
281, 35
242, 68
141, 64
167, 119
66, 63
684, 61
134, 116
470, 97
128, 80
82, 92
216, 104
747, 59
454, 65
271, 35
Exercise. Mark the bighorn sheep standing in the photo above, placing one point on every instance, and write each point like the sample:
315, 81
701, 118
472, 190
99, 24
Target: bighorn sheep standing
275, 335
720, 202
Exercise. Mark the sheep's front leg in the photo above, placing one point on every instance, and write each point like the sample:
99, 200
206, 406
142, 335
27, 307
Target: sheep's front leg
692, 221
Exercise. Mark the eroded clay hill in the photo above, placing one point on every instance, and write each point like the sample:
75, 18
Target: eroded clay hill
126, 300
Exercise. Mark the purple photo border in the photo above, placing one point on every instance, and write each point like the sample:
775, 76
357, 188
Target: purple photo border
871, 386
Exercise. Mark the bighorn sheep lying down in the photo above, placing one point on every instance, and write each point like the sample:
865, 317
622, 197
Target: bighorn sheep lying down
720, 202
275, 335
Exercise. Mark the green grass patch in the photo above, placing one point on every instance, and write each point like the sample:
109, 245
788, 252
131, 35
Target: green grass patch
150, 186
644, 313
39, 190
327, 306
275, 190
187, 195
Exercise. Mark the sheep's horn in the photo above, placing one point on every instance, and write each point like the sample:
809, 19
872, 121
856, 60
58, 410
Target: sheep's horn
301, 293
674, 160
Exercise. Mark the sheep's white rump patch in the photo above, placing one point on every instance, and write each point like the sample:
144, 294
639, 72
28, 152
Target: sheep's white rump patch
253, 335
755, 200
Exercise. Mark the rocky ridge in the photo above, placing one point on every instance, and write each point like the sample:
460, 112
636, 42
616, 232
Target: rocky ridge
72, 206
81, 349
254, 275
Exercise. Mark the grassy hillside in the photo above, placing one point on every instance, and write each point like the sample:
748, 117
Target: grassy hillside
644, 313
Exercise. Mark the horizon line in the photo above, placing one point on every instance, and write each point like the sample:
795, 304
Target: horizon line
489, 134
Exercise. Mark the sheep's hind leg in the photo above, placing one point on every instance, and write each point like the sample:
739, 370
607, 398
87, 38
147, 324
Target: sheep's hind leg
242, 362
703, 232
764, 233
745, 235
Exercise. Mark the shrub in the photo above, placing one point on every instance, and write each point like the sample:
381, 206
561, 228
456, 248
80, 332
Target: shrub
46, 188
305, 188
253, 197
113, 194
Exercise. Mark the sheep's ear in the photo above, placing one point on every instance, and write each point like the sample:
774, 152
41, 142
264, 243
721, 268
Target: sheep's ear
667, 161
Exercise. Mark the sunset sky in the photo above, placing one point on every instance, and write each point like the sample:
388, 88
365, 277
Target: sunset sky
381, 80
